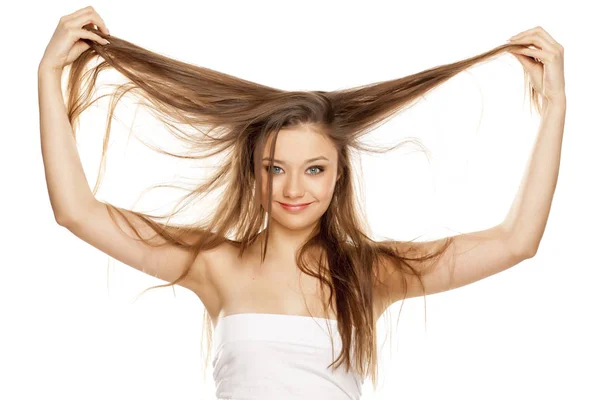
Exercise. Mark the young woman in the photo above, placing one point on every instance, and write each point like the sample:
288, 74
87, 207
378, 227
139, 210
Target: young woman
284, 265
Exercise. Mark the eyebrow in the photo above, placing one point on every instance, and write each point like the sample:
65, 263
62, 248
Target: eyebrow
305, 162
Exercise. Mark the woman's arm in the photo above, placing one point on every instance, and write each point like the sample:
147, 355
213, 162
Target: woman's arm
529, 212
70, 194
76, 208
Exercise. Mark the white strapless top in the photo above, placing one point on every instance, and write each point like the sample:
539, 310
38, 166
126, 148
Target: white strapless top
279, 356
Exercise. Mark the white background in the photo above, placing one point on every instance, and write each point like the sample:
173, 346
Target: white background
69, 331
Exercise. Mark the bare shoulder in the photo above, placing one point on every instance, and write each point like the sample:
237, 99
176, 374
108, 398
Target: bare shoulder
380, 300
215, 266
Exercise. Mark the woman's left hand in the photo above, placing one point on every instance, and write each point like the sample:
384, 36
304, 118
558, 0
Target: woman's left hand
544, 64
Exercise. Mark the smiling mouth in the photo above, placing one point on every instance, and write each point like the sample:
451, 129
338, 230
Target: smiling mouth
293, 205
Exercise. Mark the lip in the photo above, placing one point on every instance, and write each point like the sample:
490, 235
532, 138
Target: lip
293, 205
294, 208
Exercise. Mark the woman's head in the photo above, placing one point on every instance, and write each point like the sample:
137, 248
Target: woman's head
245, 122
304, 169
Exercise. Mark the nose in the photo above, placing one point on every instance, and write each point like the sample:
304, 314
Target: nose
293, 187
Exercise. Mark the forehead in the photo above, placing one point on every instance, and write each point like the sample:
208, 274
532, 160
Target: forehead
300, 143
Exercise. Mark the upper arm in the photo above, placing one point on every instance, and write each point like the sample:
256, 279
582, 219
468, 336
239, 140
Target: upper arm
166, 262
471, 257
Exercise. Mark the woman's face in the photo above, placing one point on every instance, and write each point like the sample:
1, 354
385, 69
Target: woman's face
304, 171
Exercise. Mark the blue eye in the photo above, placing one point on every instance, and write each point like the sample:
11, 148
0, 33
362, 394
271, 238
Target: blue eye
267, 168
320, 168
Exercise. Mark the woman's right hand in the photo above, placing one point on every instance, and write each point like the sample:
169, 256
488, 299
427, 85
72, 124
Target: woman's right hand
65, 45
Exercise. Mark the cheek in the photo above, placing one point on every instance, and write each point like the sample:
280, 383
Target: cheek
325, 191
320, 189
327, 188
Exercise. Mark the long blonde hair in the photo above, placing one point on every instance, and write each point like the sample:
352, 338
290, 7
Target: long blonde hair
233, 118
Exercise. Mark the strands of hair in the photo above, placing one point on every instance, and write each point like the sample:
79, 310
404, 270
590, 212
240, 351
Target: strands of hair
234, 118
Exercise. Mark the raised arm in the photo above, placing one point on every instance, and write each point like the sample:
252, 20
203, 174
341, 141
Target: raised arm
73, 203
75, 207
477, 255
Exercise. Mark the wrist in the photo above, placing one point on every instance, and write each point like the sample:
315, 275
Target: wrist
44, 70
559, 100
554, 104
